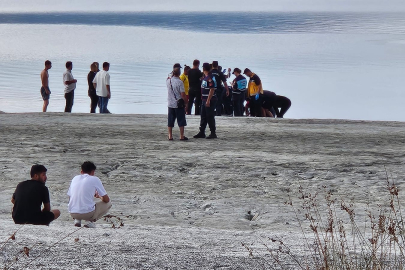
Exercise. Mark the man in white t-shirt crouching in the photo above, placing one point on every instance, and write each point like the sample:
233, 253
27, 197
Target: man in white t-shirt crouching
82, 190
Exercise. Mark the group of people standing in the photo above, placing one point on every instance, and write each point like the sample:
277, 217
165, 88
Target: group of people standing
209, 92
98, 81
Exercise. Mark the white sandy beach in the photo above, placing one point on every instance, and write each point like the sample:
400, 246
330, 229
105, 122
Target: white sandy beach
184, 204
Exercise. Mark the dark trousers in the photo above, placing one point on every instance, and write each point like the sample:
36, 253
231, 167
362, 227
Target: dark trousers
208, 116
94, 102
283, 103
238, 100
256, 106
194, 94
227, 103
69, 101
219, 93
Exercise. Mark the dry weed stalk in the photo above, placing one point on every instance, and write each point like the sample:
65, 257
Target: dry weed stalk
327, 243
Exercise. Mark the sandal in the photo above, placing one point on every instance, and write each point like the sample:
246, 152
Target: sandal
184, 139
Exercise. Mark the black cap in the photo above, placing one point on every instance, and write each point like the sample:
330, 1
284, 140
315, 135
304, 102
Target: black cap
206, 66
246, 71
177, 65
237, 70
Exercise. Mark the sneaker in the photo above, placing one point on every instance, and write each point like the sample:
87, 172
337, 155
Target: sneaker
199, 135
91, 225
212, 136
78, 222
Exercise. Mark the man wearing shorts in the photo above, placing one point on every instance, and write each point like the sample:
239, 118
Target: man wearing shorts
45, 91
29, 197
175, 91
82, 191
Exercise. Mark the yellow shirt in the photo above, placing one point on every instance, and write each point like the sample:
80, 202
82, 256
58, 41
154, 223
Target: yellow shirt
253, 88
184, 78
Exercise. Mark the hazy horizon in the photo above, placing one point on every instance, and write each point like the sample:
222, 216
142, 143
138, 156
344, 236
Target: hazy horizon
208, 5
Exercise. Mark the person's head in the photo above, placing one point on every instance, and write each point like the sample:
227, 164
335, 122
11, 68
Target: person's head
97, 65
177, 65
88, 167
38, 173
93, 67
214, 64
196, 63
186, 69
69, 65
106, 66
176, 72
206, 67
247, 72
48, 64
236, 71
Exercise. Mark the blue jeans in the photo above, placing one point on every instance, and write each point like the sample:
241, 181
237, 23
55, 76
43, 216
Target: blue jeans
103, 104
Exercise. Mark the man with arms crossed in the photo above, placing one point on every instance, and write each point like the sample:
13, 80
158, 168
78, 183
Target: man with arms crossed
70, 86
45, 91
102, 85
29, 197
82, 190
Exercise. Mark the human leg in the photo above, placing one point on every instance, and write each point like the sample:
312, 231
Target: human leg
101, 209
191, 96
69, 101
219, 93
45, 105
198, 102
181, 122
203, 121
93, 104
210, 112
237, 110
171, 118
103, 104
285, 104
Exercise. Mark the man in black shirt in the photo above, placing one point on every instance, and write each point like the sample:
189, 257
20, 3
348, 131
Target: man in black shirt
29, 197
194, 78
219, 78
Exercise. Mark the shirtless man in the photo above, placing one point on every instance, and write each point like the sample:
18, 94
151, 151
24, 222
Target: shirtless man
45, 91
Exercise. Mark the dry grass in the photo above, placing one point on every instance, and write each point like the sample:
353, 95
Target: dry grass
332, 238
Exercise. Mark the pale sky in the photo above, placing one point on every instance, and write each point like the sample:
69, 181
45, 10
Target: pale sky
196, 5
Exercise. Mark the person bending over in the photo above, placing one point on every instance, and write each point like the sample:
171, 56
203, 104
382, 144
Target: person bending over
82, 190
275, 105
29, 197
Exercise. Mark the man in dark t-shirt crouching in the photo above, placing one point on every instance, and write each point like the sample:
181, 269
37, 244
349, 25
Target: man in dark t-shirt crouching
29, 197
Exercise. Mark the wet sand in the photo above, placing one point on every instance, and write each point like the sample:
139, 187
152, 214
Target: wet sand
185, 205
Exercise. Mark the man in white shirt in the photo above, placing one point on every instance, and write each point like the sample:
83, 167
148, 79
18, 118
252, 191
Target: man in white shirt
82, 190
102, 85
70, 86
175, 91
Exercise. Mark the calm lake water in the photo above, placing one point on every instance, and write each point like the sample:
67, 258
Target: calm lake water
330, 64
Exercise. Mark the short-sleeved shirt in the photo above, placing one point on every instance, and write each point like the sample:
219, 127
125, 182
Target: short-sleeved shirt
255, 85
28, 199
81, 192
219, 77
269, 98
194, 78
184, 79
67, 76
102, 79
173, 95
239, 84
209, 82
